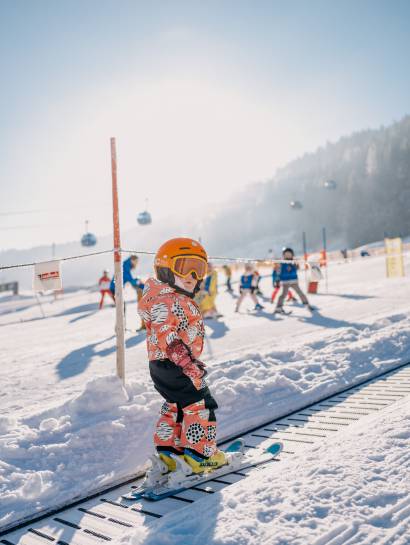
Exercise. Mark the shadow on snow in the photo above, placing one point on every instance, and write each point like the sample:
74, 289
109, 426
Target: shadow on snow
77, 361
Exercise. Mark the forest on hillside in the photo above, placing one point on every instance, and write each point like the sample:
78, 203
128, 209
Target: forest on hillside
358, 188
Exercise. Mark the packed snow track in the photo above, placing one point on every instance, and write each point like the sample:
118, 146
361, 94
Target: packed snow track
107, 517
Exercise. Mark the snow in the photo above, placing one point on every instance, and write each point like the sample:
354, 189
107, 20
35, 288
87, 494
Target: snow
68, 426
352, 489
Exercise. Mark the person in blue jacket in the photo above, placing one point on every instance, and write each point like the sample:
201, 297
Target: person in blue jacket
128, 266
288, 277
248, 286
276, 286
127, 278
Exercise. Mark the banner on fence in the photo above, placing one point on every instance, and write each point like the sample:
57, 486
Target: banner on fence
47, 276
394, 257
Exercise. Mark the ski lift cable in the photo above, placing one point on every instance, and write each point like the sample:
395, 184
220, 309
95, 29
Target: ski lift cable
56, 209
22, 227
23, 212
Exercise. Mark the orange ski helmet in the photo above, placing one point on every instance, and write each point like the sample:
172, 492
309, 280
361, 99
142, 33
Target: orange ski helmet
181, 257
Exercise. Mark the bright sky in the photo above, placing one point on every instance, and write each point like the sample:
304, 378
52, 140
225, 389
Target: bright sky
204, 97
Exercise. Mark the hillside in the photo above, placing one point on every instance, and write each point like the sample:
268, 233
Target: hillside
358, 188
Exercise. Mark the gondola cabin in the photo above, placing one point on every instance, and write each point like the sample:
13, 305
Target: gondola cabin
144, 218
296, 205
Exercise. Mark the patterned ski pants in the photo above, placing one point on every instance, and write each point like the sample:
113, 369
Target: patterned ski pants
191, 427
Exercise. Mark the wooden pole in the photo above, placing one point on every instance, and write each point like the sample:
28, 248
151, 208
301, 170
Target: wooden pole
119, 295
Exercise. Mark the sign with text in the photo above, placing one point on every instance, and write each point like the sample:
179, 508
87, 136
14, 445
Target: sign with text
394, 257
47, 276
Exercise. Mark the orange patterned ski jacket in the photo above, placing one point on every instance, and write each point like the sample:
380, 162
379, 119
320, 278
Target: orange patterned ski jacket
170, 316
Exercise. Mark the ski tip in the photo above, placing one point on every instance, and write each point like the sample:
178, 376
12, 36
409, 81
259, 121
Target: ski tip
235, 446
128, 497
275, 448
132, 496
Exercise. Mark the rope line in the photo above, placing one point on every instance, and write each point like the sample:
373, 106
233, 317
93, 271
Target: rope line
265, 260
228, 259
69, 258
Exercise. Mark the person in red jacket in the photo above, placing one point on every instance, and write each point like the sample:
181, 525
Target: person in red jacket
104, 285
175, 338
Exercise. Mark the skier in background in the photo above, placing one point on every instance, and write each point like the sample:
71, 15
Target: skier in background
207, 294
128, 266
257, 279
248, 285
228, 273
288, 276
276, 287
104, 285
175, 337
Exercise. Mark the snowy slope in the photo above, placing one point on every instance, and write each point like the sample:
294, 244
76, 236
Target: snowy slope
353, 489
76, 342
67, 426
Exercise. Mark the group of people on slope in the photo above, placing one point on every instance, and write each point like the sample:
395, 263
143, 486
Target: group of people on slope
205, 296
284, 275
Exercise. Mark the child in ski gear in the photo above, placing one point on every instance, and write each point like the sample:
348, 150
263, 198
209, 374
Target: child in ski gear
288, 276
276, 287
207, 294
104, 285
175, 337
228, 273
257, 279
247, 286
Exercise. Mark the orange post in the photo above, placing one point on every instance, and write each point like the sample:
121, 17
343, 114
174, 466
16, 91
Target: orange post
323, 256
119, 295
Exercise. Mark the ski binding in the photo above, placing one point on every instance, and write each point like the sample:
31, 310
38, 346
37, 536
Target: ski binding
156, 475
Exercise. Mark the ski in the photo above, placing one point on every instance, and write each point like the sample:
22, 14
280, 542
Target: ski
157, 475
181, 480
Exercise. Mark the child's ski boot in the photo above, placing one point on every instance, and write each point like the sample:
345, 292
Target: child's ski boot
258, 306
167, 458
281, 310
199, 464
310, 307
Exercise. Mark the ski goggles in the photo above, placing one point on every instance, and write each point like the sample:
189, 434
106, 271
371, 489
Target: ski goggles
186, 265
